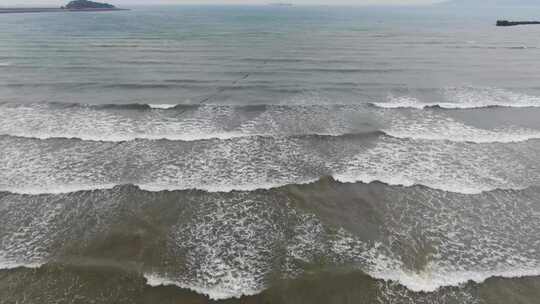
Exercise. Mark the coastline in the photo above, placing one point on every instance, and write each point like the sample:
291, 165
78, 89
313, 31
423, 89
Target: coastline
55, 10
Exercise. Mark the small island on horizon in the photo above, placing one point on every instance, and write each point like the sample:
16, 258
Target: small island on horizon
85, 4
73, 6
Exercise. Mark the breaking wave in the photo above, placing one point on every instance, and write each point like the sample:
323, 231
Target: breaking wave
466, 98
205, 122
223, 263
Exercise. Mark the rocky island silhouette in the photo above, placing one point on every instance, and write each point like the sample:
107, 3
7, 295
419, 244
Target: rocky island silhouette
73, 6
85, 4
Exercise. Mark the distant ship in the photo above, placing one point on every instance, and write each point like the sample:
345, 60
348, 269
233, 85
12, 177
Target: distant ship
513, 23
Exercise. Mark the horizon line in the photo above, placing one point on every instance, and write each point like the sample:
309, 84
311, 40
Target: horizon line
271, 4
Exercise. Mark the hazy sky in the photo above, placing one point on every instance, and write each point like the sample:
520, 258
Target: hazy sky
149, 2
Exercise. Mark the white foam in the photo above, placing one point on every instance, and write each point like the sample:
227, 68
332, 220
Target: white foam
12, 263
150, 187
401, 102
480, 136
123, 138
447, 166
161, 106
211, 122
251, 163
427, 125
217, 293
404, 181
6, 264
466, 98
56, 189
200, 123
382, 268
224, 188
247, 165
352, 177
428, 281
374, 260
229, 242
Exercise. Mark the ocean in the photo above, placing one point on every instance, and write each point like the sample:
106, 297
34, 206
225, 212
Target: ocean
270, 154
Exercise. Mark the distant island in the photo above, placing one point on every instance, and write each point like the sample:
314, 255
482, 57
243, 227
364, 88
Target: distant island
85, 4
73, 6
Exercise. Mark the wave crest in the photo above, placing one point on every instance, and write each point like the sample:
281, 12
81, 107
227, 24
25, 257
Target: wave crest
465, 98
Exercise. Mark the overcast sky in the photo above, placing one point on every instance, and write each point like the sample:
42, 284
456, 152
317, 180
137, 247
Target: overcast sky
149, 2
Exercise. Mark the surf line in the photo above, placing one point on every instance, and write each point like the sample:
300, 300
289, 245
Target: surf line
235, 82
